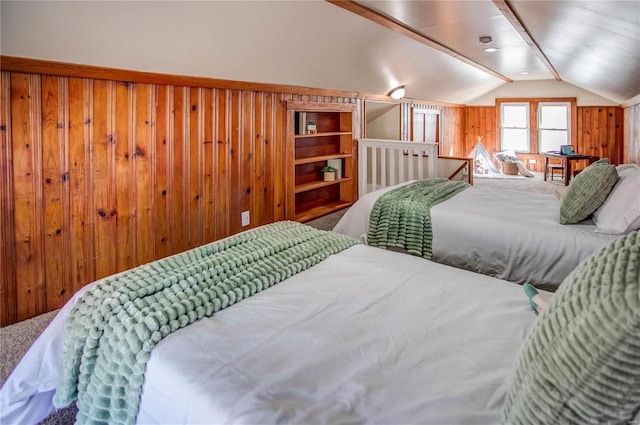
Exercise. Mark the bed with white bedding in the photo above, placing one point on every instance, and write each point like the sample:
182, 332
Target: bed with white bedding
507, 234
364, 336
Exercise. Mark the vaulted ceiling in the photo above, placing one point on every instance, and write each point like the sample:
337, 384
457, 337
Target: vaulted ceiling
368, 46
590, 44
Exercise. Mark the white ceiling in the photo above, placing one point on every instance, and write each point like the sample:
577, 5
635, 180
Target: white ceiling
592, 44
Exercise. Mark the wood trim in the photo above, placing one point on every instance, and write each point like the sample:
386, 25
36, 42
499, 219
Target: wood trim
407, 100
401, 28
535, 99
315, 106
468, 163
515, 22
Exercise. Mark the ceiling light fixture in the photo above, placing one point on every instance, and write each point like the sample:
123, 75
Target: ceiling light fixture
491, 49
524, 73
397, 93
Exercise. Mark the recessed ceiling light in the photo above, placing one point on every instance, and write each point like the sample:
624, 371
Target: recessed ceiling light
524, 73
491, 49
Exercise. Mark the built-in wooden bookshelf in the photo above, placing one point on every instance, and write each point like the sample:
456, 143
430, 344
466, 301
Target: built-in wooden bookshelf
308, 195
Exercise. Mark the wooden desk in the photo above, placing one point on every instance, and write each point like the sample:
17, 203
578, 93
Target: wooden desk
566, 163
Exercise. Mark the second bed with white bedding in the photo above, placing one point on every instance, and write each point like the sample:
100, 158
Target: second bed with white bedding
507, 234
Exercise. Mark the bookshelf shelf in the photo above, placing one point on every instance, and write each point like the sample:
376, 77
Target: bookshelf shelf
308, 196
319, 158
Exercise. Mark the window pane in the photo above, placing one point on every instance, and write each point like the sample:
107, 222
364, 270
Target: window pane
550, 140
553, 117
515, 139
514, 116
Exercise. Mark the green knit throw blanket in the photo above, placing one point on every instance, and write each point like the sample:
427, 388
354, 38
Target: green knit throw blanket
402, 217
113, 326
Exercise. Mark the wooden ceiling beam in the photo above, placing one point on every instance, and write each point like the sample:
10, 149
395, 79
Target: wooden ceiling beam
400, 28
512, 18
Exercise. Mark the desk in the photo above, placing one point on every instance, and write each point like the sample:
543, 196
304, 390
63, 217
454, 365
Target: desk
566, 163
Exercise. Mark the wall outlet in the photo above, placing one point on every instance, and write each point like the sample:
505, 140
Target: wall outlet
245, 218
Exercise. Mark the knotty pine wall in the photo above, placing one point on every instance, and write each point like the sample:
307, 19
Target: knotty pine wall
600, 132
100, 175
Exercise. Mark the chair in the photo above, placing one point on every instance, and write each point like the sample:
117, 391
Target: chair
556, 167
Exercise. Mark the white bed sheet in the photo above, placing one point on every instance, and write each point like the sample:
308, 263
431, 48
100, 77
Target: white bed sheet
366, 336
511, 235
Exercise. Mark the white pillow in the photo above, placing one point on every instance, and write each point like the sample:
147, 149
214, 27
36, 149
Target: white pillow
625, 170
620, 213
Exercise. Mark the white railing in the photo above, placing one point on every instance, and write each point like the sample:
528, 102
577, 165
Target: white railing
384, 163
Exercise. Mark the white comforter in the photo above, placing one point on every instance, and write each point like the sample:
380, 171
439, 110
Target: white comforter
366, 336
510, 235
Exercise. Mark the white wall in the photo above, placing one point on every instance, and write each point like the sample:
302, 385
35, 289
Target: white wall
386, 126
300, 43
542, 88
632, 134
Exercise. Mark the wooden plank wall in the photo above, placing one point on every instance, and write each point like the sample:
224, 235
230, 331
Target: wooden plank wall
452, 132
99, 176
600, 132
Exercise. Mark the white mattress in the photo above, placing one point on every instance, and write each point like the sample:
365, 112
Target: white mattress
366, 336
510, 235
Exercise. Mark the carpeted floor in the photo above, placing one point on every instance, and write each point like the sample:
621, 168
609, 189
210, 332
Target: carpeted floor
16, 339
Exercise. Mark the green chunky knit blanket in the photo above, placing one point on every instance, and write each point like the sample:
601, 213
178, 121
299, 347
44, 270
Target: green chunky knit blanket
114, 325
402, 217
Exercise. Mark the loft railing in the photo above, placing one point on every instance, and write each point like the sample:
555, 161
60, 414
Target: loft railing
384, 163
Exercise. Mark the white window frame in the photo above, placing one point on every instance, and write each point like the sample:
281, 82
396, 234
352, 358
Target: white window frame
568, 106
527, 129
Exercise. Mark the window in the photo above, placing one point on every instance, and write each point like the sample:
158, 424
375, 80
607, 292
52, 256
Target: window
553, 126
535, 125
514, 126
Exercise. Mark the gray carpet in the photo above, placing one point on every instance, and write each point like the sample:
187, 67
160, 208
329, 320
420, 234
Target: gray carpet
16, 339
327, 222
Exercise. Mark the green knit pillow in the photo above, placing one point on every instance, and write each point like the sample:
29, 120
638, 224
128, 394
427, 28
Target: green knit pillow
580, 363
587, 192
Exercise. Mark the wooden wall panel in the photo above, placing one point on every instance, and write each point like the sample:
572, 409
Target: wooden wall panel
278, 149
481, 121
103, 190
452, 132
600, 132
163, 172
223, 154
121, 135
27, 185
234, 135
144, 181
56, 189
247, 146
100, 176
208, 169
8, 296
179, 164
257, 158
80, 166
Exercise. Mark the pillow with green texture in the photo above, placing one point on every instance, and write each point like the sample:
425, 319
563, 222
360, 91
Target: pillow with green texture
580, 363
587, 192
